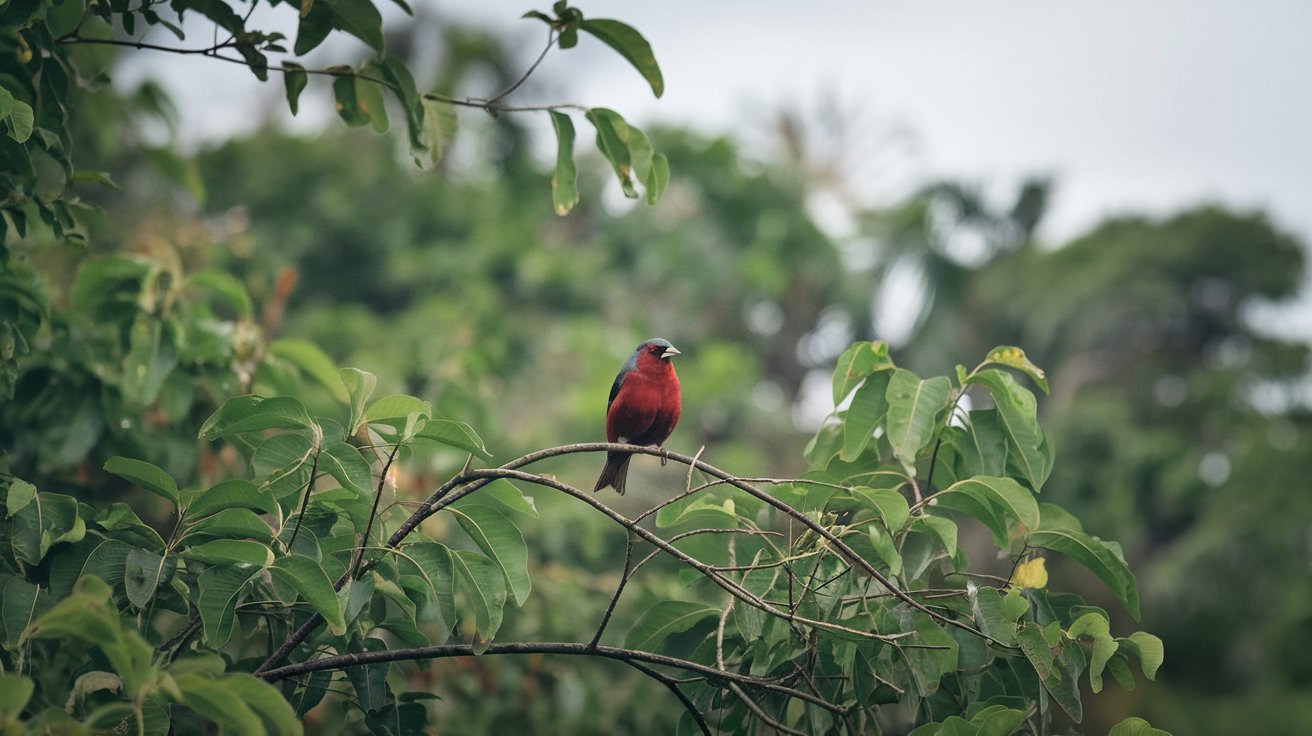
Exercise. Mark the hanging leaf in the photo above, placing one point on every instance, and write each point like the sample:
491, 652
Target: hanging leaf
631, 45
564, 179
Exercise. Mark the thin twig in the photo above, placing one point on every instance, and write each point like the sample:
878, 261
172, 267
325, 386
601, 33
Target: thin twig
614, 599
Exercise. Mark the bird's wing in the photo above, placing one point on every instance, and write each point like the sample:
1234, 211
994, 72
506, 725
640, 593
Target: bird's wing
629, 366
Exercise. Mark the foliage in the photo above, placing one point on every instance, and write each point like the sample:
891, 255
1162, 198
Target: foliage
834, 601
41, 67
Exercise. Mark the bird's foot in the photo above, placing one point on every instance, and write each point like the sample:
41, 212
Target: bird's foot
665, 456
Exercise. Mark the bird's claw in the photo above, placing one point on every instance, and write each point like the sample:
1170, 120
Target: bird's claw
665, 456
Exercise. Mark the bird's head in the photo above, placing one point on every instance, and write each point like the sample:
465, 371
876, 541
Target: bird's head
651, 355
659, 347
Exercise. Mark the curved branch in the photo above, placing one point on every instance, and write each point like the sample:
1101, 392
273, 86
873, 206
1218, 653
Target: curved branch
357, 659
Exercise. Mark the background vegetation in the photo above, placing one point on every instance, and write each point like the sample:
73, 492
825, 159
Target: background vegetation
1172, 419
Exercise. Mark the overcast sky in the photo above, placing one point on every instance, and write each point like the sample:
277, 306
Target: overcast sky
1132, 106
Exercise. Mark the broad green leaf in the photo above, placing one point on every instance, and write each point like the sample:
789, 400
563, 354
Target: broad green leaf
501, 541
889, 503
1014, 357
230, 552
482, 584
659, 179
1035, 648
454, 434
20, 121
345, 463
943, 529
886, 548
631, 45
858, 361
991, 617
212, 701
983, 496
659, 622
144, 573
997, 720
369, 96
1018, 411
508, 494
359, 18
282, 464
264, 699
150, 358
20, 494
564, 179
935, 655
294, 80
316, 23
1063, 682
88, 615
397, 406
309, 579
232, 523
22, 602
146, 476
913, 409
15, 691
1095, 629
869, 405
98, 556
1135, 726
220, 591
359, 386
243, 414
440, 126
824, 446
612, 135
702, 511
434, 566
370, 681
1102, 558
403, 86
1148, 649
348, 101
227, 288
230, 494
313, 362
49, 519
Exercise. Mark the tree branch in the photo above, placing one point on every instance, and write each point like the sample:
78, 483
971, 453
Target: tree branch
443, 651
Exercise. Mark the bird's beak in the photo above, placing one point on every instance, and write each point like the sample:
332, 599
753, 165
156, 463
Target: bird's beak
670, 352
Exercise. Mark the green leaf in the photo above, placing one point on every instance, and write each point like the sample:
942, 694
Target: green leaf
1148, 649
1095, 629
309, 579
220, 591
243, 414
151, 357
49, 519
501, 541
88, 615
15, 691
315, 25
369, 96
1135, 726
19, 121
612, 141
1018, 411
483, 586
991, 617
226, 288
348, 101
1104, 559
21, 603
282, 464
264, 699
403, 86
913, 408
659, 180
665, 618
869, 405
147, 476
858, 361
211, 700
232, 523
313, 362
359, 18
889, 503
434, 566
359, 387
21, 493
229, 494
1062, 682
230, 552
508, 494
564, 179
631, 45
935, 655
294, 80
454, 434
997, 720
440, 126
1014, 357
1036, 649
144, 573
398, 406
344, 462
982, 495
945, 530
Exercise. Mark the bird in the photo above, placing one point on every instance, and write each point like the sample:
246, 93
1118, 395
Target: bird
643, 407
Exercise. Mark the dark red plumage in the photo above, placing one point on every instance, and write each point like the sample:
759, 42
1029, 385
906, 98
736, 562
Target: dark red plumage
643, 408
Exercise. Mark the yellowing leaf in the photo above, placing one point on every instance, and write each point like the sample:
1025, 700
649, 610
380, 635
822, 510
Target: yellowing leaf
1030, 574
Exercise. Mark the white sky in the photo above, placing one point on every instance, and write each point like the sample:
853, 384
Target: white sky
1133, 106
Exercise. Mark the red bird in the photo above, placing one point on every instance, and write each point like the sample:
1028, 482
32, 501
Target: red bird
643, 407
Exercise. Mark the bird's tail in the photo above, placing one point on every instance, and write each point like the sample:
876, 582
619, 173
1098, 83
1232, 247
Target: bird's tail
615, 473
